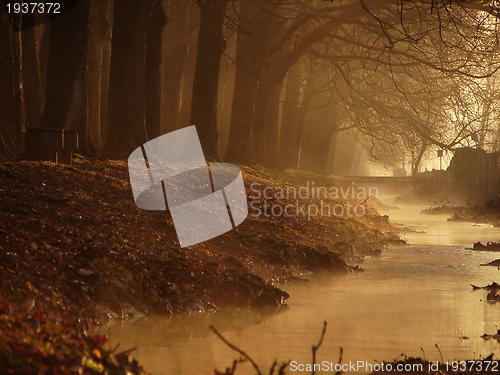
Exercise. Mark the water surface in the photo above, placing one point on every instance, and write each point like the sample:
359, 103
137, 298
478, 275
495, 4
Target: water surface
411, 298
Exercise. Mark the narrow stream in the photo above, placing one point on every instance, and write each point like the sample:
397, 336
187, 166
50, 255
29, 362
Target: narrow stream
412, 297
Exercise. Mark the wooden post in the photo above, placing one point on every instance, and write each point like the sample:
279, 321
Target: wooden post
47, 144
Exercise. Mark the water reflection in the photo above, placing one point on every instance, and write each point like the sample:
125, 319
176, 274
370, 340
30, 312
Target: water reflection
184, 345
412, 297
438, 231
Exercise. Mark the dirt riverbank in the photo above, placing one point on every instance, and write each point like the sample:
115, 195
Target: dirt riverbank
74, 245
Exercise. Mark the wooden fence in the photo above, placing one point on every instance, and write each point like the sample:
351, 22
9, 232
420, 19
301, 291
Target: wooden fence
477, 171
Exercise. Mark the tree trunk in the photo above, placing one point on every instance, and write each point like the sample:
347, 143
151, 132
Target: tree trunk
11, 115
418, 159
7, 89
126, 113
346, 155
184, 115
294, 114
211, 45
239, 147
251, 54
153, 84
19, 103
105, 74
266, 138
315, 147
66, 99
43, 38
320, 150
177, 39
291, 103
97, 66
33, 94
226, 90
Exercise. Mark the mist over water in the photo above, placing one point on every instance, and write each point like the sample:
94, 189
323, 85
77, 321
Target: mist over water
412, 297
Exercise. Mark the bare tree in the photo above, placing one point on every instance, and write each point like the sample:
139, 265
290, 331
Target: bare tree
66, 98
211, 45
11, 95
98, 61
127, 84
153, 86
180, 39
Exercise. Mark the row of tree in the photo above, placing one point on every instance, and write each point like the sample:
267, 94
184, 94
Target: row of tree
267, 82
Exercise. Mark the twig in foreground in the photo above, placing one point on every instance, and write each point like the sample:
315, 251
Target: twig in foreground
237, 349
340, 360
316, 347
